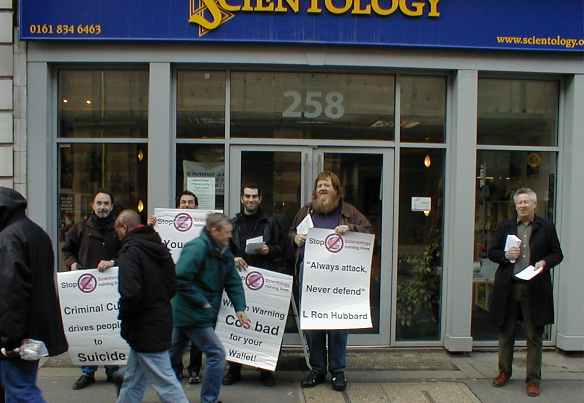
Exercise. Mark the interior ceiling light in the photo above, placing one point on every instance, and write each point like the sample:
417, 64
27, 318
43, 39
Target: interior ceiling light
427, 161
140, 206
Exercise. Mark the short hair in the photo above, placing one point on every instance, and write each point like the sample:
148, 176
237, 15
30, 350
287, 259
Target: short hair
104, 192
187, 193
335, 181
251, 185
216, 220
525, 191
129, 218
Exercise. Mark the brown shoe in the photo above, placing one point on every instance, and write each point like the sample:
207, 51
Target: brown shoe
532, 389
501, 380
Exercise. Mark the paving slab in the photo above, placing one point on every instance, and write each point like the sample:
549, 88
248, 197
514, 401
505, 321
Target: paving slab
514, 392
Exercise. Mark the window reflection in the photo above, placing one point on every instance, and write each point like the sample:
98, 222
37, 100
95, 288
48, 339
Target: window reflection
423, 109
103, 103
518, 112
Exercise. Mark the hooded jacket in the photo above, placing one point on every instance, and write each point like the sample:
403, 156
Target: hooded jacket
29, 305
146, 285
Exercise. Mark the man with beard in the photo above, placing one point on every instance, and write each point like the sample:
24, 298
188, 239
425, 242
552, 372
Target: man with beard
29, 303
327, 210
92, 244
147, 282
252, 223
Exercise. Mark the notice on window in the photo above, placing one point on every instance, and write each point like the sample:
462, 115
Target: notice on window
421, 203
204, 189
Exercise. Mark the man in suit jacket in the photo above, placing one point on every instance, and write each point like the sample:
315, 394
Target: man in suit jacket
532, 300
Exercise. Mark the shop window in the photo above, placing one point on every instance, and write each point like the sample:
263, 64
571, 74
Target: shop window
103, 103
517, 112
421, 216
499, 174
200, 168
423, 109
200, 104
83, 169
312, 106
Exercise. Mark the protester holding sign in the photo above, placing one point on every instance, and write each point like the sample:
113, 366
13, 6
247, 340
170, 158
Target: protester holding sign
206, 268
326, 210
93, 244
257, 242
146, 283
30, 318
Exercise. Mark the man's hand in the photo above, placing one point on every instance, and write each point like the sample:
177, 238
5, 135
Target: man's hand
151, 220
7, 354
264, 250
512, 253
240, 264
242, 316
103, 265
299, 240
74, 266
342, 229
540, 264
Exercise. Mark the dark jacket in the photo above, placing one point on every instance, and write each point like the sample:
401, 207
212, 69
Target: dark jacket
146, 285
270, 230
543, 244
29, 304
90, 241
203, 271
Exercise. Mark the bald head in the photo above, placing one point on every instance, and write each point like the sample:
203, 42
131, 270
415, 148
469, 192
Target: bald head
127, 220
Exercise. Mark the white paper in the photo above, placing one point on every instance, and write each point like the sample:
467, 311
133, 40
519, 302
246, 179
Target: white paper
305, 225
336, 280
421, 203
257, 341
512, 241
253, 245
204, 189
528, 273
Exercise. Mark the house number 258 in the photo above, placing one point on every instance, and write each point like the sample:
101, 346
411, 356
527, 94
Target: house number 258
314, 105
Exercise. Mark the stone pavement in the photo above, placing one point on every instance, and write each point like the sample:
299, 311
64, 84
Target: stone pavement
408, 376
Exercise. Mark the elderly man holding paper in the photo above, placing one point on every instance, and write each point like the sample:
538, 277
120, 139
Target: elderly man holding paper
326, 210
526, 249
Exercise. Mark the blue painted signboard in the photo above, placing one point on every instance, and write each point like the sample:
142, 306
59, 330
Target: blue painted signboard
536, 25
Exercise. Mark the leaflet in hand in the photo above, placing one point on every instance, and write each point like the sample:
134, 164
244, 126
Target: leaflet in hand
305, 225
528, 273
512, 241
253, 245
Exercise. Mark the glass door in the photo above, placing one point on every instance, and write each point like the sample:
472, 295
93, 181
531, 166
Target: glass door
286, 176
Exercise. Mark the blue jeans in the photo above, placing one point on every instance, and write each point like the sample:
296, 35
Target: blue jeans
208, 343
90, 370
337, 350
150, 369
18, 377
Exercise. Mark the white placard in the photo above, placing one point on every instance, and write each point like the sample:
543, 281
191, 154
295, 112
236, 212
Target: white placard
178, 226
204, 189
256, 342
336, 278
421, 203
89, 307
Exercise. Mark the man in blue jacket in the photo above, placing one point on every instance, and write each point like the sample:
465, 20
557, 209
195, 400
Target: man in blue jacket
206, 268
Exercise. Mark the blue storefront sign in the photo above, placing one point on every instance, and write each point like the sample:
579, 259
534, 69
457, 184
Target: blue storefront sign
536, 25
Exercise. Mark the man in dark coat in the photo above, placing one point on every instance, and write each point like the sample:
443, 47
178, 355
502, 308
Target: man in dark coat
29, 304
531, 300
92, 244
146, 284
327, 210
253, 223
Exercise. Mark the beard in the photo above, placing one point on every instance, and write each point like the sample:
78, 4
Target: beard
325, 203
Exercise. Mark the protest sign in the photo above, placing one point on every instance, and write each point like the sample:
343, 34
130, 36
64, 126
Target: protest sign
178, 226
256, 342
89, 307
335, 280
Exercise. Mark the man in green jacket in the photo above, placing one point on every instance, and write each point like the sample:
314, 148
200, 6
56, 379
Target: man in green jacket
206, 268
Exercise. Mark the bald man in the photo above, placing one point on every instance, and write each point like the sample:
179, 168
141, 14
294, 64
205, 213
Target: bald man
147, 282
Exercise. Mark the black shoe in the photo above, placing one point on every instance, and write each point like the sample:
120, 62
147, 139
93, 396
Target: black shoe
232, 377
267, 378
83, 382
339, 382
194, 379
312, 379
